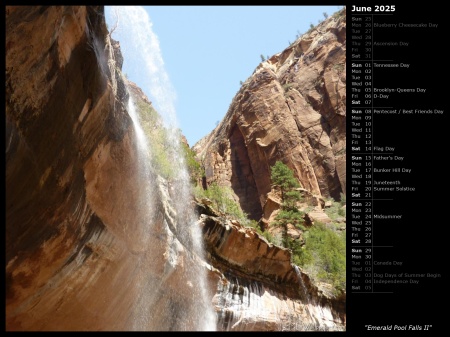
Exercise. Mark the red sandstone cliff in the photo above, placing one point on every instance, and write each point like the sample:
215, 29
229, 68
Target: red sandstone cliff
78, 245
292, 108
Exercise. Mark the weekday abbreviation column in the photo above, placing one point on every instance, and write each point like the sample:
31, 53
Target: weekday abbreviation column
361, 158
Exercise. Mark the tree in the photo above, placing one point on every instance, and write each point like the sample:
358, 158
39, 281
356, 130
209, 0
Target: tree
283, 177
262, 58
325, 15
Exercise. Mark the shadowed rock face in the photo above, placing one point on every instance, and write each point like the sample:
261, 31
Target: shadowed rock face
291, 109
88, 245
60, 127
78, 237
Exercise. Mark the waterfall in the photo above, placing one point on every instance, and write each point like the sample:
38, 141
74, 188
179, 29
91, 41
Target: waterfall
160, 303
140, 135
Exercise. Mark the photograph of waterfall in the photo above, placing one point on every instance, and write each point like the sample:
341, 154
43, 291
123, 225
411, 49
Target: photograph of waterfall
175, 168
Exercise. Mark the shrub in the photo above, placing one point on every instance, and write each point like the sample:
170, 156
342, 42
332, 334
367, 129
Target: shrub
336, 210
343, 199
288, 86
323, 255
222, 201
196, 172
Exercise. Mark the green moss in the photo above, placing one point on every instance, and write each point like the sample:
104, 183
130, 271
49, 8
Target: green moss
222, 201
161, 149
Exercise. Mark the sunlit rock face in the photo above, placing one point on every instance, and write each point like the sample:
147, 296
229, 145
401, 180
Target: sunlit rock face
251, 306
292, 109
87, 246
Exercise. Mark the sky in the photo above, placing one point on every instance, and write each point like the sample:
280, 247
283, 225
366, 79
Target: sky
204, 53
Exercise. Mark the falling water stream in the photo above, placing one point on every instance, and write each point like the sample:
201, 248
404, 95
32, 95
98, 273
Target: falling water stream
160, 296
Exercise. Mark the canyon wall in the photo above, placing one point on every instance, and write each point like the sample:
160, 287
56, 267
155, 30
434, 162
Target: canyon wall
84, 243
292, 108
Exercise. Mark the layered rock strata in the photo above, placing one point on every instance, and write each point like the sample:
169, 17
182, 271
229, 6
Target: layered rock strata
258, 287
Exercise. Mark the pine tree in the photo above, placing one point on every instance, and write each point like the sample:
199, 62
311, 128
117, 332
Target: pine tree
283, 177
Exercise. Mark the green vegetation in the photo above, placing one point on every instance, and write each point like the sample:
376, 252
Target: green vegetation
323, 255
343, 200
339, 67
288, 86
336, 210
322, 251
196, 171
338, 14
262, 58
162, 150
283, 177
222, 201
